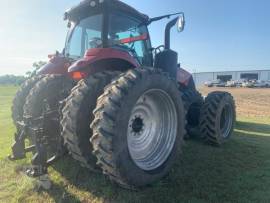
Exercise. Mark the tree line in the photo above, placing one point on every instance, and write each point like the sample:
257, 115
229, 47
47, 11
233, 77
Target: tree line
18, 80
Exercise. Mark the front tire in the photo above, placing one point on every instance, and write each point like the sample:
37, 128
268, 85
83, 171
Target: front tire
138, 127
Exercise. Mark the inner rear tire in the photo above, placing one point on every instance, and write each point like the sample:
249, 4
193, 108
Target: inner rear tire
138, 127
218, 117
20, 97
193, 102
77, 116
47, 93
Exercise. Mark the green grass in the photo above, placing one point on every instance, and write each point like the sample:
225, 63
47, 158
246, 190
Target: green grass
237, 172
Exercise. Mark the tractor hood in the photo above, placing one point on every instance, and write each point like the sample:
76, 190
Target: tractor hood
57, 64
92, 6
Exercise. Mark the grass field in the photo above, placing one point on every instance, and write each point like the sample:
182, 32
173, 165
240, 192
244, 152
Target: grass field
237, 172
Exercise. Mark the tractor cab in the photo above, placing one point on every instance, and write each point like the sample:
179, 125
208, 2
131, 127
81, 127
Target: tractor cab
108, 24
108, 34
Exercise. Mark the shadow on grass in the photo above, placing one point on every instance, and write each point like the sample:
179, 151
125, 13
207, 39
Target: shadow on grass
60, 194
251, 127
236, 172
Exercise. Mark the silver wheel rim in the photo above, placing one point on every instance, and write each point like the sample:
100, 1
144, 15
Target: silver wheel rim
226, 121
152, 129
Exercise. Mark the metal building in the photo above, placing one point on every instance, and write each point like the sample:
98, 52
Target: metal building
201, 78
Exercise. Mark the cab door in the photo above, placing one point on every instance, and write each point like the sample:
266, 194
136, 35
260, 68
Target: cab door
129, 34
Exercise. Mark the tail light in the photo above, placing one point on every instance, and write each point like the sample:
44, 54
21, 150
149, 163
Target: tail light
78, 75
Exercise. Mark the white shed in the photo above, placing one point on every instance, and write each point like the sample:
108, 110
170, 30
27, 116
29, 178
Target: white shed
201, 78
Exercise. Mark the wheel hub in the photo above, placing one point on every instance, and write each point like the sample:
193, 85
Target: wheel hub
137, 125
226, 120
152, 129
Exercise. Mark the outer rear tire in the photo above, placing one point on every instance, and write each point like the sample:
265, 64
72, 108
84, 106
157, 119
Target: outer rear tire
77, 116
111, 126
218, 117
20, 97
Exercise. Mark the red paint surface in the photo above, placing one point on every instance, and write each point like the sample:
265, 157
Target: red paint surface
56, 65
94, 55
183, 76
61, 65
134, 39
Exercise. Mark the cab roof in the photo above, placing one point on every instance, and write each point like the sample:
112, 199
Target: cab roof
86, 6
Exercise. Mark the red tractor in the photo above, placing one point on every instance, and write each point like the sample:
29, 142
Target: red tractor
114, 102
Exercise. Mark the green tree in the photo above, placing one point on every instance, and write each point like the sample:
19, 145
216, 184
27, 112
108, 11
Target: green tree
11, 80
36, 67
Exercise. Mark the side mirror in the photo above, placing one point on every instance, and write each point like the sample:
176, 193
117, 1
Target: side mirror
181, 23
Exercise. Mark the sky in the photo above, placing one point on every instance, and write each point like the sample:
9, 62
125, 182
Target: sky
219, 35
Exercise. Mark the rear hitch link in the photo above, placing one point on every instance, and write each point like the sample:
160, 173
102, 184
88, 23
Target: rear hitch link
40, 135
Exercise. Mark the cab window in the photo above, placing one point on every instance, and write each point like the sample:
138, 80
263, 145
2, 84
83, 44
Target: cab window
85, 35
129, 34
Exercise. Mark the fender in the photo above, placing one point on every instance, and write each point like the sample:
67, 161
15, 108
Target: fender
58, 64
93, 56
183, 77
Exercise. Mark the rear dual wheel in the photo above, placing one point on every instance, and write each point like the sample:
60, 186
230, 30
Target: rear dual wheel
138, 127
77, 116
193, 102
20, 97
218, 117
46, 96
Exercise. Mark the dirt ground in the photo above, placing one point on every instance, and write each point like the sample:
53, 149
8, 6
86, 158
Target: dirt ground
250, 102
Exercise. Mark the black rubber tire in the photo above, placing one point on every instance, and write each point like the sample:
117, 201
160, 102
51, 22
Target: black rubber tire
53, 88
193, 102
211, 115
20, 97
77, 116
110, 127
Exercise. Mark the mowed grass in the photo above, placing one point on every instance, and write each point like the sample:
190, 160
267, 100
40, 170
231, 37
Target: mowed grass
239, 171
